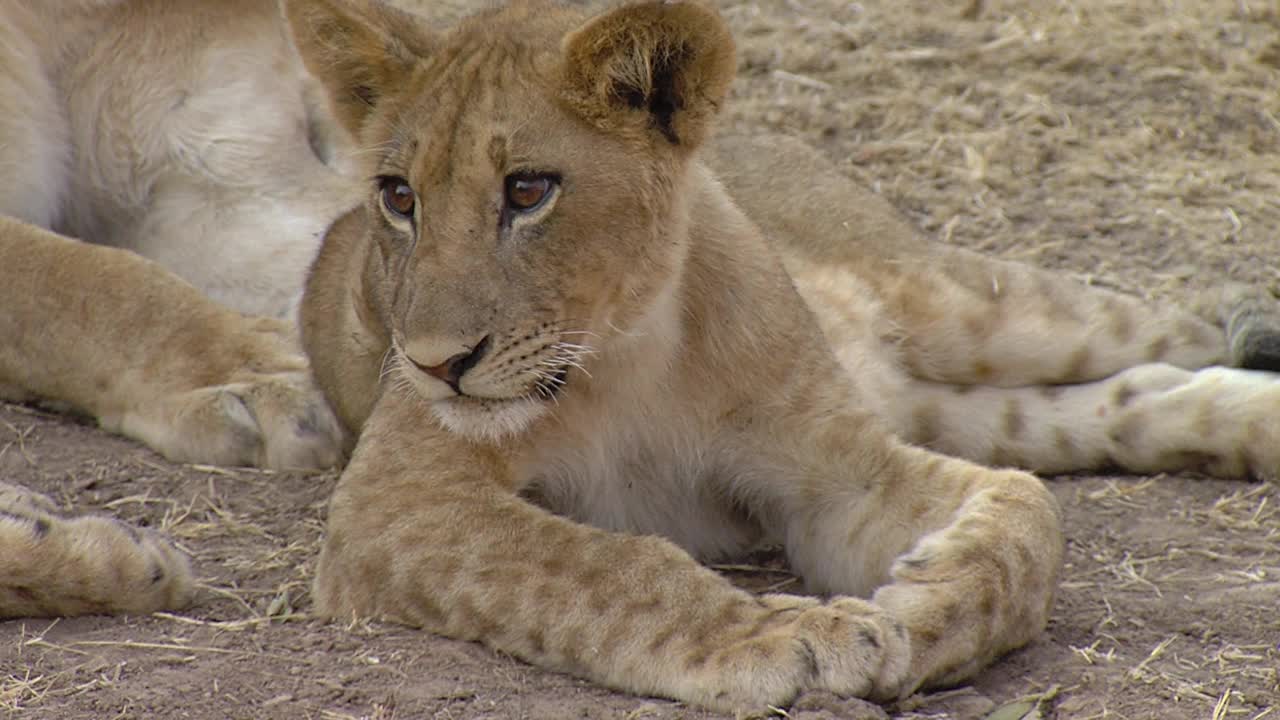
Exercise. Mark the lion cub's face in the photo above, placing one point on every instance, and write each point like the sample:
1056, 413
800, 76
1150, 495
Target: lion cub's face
526, 186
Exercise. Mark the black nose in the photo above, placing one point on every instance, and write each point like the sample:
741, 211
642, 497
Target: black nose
452, 370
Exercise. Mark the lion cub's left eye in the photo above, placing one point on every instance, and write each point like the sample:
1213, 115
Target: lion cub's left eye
397, 196
525, 192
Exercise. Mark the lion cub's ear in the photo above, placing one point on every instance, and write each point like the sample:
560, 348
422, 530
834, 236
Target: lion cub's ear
662, 66
361, 50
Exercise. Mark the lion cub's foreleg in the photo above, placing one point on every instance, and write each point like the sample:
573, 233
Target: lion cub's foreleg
56, 566
965, 557
118, 337
441, 541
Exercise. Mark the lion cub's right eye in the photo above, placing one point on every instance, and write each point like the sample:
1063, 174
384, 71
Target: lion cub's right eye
397, 196
526, 192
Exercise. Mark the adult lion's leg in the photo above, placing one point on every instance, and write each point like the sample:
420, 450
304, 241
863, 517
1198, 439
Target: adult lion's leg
966, 558
117, 337
959, 317
56, 566
34, 145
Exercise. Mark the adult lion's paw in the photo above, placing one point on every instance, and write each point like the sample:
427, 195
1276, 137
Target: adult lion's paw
240, 394
271, 420
50, 565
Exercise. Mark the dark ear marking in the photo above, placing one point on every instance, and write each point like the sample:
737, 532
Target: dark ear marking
650, 66
662, 101
365, 94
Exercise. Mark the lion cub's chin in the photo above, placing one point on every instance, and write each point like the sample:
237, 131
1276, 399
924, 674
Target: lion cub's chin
487, 420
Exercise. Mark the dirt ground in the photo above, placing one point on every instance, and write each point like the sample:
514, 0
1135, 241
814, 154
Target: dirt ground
1132, 143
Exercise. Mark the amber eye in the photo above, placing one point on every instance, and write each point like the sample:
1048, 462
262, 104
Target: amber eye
528, 191
397, 196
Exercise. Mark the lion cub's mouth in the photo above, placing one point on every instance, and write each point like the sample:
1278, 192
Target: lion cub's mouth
494, 419
543, 382
547, 388
496, 389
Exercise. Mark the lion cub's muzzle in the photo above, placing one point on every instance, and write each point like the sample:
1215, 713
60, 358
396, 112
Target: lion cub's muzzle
452, 369
494, 368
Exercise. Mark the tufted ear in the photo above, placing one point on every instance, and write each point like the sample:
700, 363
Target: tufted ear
360, 50
660, 66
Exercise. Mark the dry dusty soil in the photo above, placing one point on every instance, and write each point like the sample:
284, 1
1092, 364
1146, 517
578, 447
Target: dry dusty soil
1130, 143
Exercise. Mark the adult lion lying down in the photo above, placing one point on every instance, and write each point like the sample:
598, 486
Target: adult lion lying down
571, 364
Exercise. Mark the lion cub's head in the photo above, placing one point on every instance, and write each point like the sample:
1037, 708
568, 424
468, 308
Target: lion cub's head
527, 185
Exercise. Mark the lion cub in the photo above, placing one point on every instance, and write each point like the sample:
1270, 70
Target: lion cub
562, 342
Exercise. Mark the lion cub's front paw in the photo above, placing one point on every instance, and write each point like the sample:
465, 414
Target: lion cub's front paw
54, 566
854, 648
845, 646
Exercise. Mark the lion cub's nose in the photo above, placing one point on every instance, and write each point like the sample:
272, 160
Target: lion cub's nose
452, 369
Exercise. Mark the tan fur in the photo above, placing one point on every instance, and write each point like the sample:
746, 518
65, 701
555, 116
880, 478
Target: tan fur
136, 150
705, 400
116, 130
1005, 364
722, 386
112, 334
53, 565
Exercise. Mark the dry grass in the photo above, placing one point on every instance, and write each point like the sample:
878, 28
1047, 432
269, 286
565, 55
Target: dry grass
1029, 128
1226, 550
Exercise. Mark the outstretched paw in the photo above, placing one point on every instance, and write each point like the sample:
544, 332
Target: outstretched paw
55, 566
844, 646
279, 421
824, 705
857, 649
264, 411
